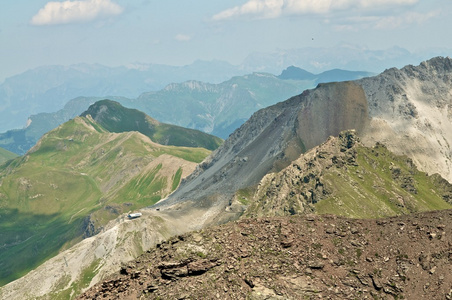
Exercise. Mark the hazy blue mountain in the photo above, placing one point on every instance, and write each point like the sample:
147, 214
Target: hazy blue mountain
217, 109
49, 88
340, 75
295, 73
344, 56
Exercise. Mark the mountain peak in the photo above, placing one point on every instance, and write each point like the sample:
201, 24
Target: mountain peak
293, 72
116, 118
108, 112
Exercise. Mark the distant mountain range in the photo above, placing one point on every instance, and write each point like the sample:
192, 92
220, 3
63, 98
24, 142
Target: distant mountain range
343, 56
47, 89
295, 73
216, 109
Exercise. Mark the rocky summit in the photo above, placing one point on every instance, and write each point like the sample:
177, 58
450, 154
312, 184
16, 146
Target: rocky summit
308, 257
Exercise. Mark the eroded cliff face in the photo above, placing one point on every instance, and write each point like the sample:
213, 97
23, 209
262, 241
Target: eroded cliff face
330, 109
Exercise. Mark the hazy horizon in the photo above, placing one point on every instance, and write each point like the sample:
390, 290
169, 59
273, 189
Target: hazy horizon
173, 32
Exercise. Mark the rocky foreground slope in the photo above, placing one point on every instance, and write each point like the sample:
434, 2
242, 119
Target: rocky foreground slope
299, 257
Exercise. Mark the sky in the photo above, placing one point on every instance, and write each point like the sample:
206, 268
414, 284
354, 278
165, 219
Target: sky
178, 32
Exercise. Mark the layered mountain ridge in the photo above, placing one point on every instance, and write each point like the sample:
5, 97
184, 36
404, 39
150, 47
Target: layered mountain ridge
50, 87
219, 109
216, 109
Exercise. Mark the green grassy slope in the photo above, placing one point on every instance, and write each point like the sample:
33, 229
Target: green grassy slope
6, 155
382, 184
78, 177
115, 118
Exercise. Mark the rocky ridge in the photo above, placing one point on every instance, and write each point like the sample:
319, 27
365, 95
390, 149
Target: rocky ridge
273, 137
343, 177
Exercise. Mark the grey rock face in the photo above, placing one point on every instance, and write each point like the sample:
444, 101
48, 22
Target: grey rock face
411, 111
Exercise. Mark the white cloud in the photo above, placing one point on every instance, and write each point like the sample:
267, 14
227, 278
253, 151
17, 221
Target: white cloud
75, 12
260, 8
276, 8
182, 37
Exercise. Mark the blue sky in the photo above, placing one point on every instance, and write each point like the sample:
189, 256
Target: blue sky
178, 32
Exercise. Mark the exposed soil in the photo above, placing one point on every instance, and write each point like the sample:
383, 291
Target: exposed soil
298, 257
